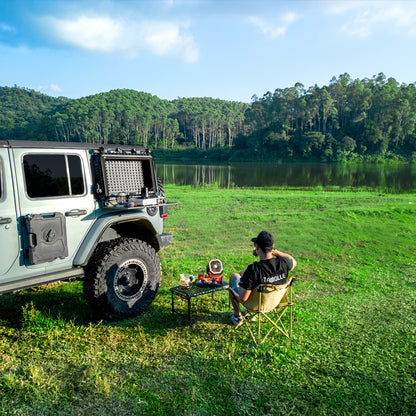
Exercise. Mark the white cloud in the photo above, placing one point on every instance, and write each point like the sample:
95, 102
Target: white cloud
101, 34
163, 38
271, 29
365, 17
168, 3
338, 7
289, 18
49, 89
359, 26
7, 28
106, 34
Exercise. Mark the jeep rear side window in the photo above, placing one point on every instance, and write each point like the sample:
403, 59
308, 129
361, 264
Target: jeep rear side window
53, 175
75, 174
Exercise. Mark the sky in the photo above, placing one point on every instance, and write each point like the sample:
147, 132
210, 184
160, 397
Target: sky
227, 49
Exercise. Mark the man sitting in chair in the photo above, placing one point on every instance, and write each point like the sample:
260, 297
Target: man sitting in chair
273, 267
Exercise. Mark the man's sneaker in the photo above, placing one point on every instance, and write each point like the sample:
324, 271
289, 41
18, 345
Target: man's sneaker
236, 320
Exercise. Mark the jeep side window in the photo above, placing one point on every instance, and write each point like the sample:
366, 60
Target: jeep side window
75, 174
53, 175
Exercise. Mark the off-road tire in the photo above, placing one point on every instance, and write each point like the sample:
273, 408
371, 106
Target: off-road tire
122, 278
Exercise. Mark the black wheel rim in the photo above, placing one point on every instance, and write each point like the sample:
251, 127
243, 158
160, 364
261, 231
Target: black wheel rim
130, 280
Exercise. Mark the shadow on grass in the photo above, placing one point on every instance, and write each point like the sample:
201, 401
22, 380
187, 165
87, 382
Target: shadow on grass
65, 302
159, 319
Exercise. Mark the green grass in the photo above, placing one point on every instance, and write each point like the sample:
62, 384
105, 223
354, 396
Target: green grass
354, 344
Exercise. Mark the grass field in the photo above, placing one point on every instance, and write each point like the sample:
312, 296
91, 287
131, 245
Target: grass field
354, 345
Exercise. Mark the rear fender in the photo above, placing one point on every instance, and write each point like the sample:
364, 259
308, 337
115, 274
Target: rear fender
111, 227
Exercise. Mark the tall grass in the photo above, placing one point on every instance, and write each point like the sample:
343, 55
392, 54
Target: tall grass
353, 350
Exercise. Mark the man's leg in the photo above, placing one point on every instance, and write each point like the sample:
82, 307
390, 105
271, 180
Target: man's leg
234, 279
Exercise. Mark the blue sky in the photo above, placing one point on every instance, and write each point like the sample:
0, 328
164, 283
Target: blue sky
228, 49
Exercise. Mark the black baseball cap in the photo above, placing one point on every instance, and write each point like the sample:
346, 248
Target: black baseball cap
264, 240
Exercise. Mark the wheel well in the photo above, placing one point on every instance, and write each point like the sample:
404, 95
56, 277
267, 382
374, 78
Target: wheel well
140, 229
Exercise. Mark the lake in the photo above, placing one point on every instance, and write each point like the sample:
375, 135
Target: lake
382, 177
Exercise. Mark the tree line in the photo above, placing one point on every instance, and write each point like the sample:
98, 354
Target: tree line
349, 118
373, 118
120, 116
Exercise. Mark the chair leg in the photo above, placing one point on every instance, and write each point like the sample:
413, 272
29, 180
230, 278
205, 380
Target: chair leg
258, 325
276, 323
291, 320
249, 330
281, 328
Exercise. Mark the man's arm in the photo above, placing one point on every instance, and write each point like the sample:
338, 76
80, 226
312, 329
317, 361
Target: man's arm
280, 254
242, 295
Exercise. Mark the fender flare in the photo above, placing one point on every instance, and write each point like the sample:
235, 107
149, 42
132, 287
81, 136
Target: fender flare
101, 225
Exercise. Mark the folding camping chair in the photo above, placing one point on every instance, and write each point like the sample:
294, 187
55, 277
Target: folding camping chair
265, 309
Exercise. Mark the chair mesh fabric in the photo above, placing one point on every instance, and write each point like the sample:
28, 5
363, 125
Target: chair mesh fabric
266, 298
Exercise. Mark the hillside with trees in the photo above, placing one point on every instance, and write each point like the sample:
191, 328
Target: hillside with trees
348, 119
121, 116
23, 111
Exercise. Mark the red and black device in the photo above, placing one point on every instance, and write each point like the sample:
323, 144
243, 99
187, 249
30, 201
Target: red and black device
213, 276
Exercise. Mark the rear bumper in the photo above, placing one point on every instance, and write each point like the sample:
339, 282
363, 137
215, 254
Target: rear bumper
164, 240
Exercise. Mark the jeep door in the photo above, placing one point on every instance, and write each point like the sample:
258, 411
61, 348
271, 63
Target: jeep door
9, 237
56, 204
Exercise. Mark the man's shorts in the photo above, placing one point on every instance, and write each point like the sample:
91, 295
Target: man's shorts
234, 284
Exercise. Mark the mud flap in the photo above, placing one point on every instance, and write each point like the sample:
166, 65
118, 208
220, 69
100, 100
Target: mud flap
46, 237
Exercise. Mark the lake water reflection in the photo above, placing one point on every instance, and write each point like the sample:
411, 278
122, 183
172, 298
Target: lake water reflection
383, 177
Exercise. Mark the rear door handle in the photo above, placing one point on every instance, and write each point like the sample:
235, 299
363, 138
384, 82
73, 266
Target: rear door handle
5, 220
75, 213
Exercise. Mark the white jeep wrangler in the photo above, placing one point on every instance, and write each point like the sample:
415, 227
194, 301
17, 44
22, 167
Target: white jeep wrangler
72, 209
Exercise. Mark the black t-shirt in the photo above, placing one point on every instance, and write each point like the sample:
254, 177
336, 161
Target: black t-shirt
274, 271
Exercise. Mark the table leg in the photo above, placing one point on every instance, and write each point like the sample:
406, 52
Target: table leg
189, 309
173, 304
